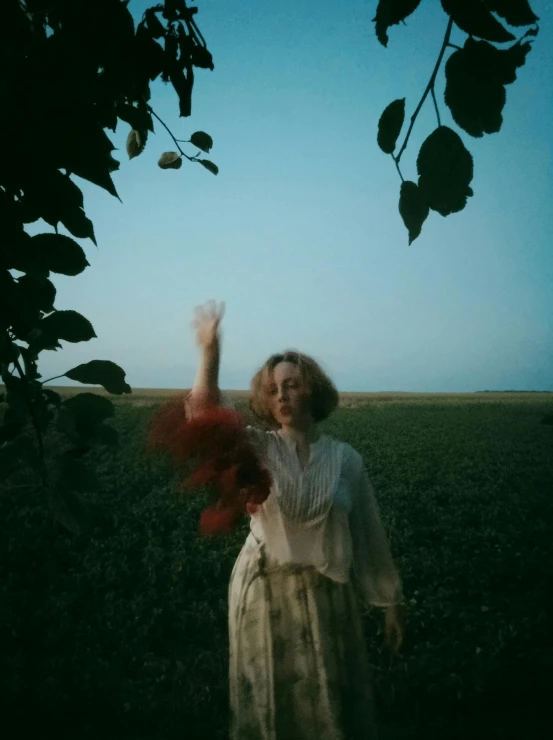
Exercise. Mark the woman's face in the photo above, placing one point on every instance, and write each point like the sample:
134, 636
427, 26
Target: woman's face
288, 396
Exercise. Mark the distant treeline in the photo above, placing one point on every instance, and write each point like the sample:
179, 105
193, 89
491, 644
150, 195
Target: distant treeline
511, 391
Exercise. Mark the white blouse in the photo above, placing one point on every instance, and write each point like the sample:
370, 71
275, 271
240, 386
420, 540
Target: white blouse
324, 515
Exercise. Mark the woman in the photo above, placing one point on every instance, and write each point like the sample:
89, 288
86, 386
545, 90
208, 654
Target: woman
298, 664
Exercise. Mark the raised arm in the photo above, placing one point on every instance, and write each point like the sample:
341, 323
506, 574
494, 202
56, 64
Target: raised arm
207, 324
205, 391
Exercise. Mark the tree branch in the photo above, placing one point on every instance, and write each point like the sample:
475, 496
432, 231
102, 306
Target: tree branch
429, 88
436, 106
397, 168
43, 382
152, 111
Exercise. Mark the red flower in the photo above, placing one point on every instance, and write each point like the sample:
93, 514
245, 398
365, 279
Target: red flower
217, 438
167, 426
252, 508
228, 479
259, 494
218, 521
212, 433
207, 434
207, 473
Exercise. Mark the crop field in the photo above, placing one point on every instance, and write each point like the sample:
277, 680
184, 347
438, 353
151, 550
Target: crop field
120, 633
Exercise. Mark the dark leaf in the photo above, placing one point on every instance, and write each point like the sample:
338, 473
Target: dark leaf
40, 292
31, 371
10, 218
6, 280
390, 124
81, 417
171, 9
202, 140
39, 341
413, 208
106, 435
473, 17
154, 25
511, 59
53, 195
21, 254
9, 351
98, 139
186, 46
138, 118
113, 164
28, 211
209, 165
67, 325
515, 12
170, 161
183, 85
52, 397
101, 372
16, 397
547, 419
98, 175
10, 427
67, 423
202, 58
107, 114
391, 12
136, 141
150, 57
58, 253
445, 170
88, 409
18, 311
92, 159
171, 51
108, 25
76, 222
475, 80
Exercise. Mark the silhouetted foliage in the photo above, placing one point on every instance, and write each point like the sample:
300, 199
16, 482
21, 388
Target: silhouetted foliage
476, 76
70, 70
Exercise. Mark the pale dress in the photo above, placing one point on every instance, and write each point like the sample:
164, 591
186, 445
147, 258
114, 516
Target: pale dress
316, 552
298, 663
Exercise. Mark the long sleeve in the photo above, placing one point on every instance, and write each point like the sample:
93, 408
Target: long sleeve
373, 565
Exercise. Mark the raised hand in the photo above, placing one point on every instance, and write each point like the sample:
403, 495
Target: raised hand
206, 324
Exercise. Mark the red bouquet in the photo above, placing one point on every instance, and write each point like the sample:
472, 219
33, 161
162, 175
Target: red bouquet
217, 442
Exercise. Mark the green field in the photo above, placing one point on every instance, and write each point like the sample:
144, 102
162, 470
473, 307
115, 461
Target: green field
120, 633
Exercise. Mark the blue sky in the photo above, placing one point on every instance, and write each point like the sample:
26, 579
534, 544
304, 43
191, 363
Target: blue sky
300, 232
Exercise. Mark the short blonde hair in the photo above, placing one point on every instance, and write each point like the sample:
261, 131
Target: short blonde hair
323, 392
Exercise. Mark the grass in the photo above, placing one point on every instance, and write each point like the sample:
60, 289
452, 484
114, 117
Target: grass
121, 633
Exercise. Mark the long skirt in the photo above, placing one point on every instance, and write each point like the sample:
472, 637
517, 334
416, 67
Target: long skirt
299, 667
